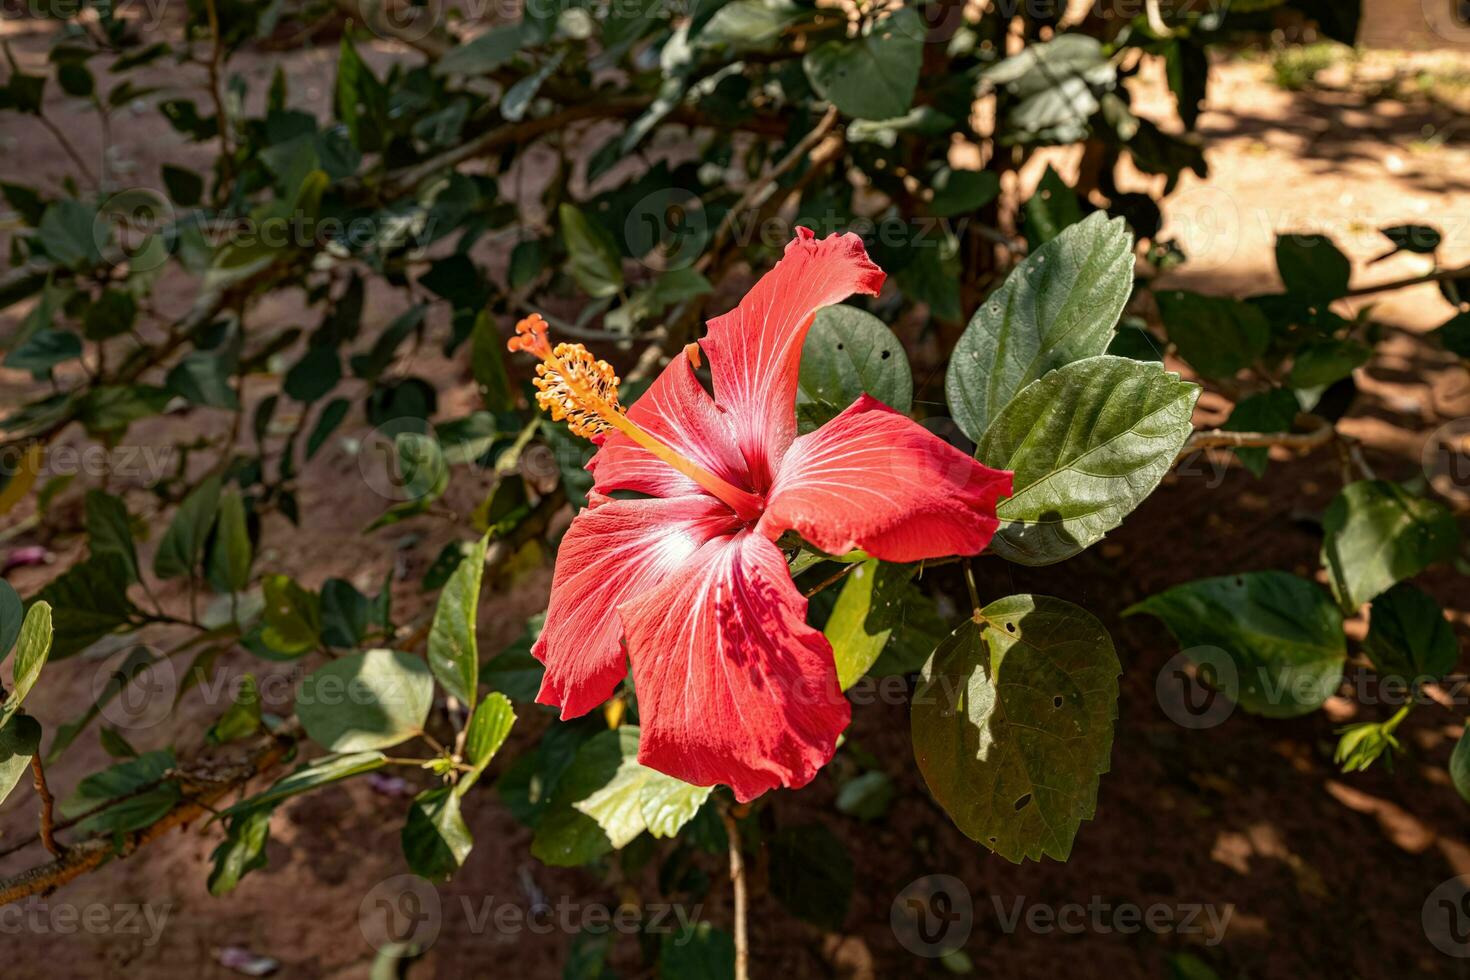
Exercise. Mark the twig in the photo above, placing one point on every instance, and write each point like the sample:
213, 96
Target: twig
48, 807
1156, 19
737, 881
1322, 434
1438, 275
66, 145
216, 63
970, 584
89, 854
832, 579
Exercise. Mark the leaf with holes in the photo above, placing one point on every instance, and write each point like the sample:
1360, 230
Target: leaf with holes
1012, 724
847, 353
1281, 633
1058, 306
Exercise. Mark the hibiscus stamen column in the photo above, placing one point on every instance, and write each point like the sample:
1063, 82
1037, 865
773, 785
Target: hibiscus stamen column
573, 385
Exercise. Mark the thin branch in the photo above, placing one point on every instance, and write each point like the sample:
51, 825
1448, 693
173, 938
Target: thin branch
737, 881
89, 854
66, 145
48, 807
1438, 275
1321, 435
832, 579
216, 92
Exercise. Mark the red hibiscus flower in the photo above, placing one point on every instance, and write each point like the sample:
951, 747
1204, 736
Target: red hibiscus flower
733, 686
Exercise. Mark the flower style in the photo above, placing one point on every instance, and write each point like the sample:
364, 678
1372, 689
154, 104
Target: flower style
733, 686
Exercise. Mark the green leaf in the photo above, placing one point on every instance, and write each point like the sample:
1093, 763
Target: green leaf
12, 611
959, 192
667, 804
292, 616
1281, 633
872, 76
1419, 239
313, 775
1267, 411
1453, 335
1058, 306
31, 651
488, 728
515, 671
1087, 444
487, 364
816, 878
242, 718
1409, 639
746, 25
110, 315
231, 554
873, 603
1052, 88
597, 805
484, 53
242, 850
348, 617
314, 375
185, 187
69, 232
112, 408
454, 654
436, 840
1051, 209
1318, 365
1377, 533
595, 262
866, 797
1013, 724
110, 530
141, 787
369, 700
89, 601
699, 952
1459, 766
182, 545
1312, 267
327, 422
849, 352
20, 739
1217, 335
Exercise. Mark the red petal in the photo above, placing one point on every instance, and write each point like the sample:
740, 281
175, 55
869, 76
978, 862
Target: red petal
754, 349
612, 552
875, 480
733, 686
680, 413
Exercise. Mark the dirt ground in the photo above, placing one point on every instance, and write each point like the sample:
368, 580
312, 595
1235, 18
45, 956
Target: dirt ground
1325, 874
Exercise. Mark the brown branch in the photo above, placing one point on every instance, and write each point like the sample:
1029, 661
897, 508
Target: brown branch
1321, 434
215, 67
86, 856
737, 881
48, 807
1438, 275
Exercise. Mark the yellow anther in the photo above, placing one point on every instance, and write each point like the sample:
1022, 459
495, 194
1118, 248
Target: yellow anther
573, 385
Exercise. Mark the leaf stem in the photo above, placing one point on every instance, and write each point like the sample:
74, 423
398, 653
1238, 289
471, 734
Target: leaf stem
48, 807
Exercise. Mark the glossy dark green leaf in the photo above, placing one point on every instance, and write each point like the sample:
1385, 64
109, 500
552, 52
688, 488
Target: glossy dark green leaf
88, 601
1322, 363
1087, 444
1409, 639
595, 261
1058, 306
1052, 207
12, 612
454, 653
141, 787
436, 840
1217, 335
488, 728
70, 232
959, 192
847, 353
327, 421
514, 671
1312, 267
872, 76
876, 602
109, 531
182, 545
230, 553
1282, 634
1013, 724
1268, 411
1376, 533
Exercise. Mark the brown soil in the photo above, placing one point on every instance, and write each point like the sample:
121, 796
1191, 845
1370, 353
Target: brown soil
1326, 873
